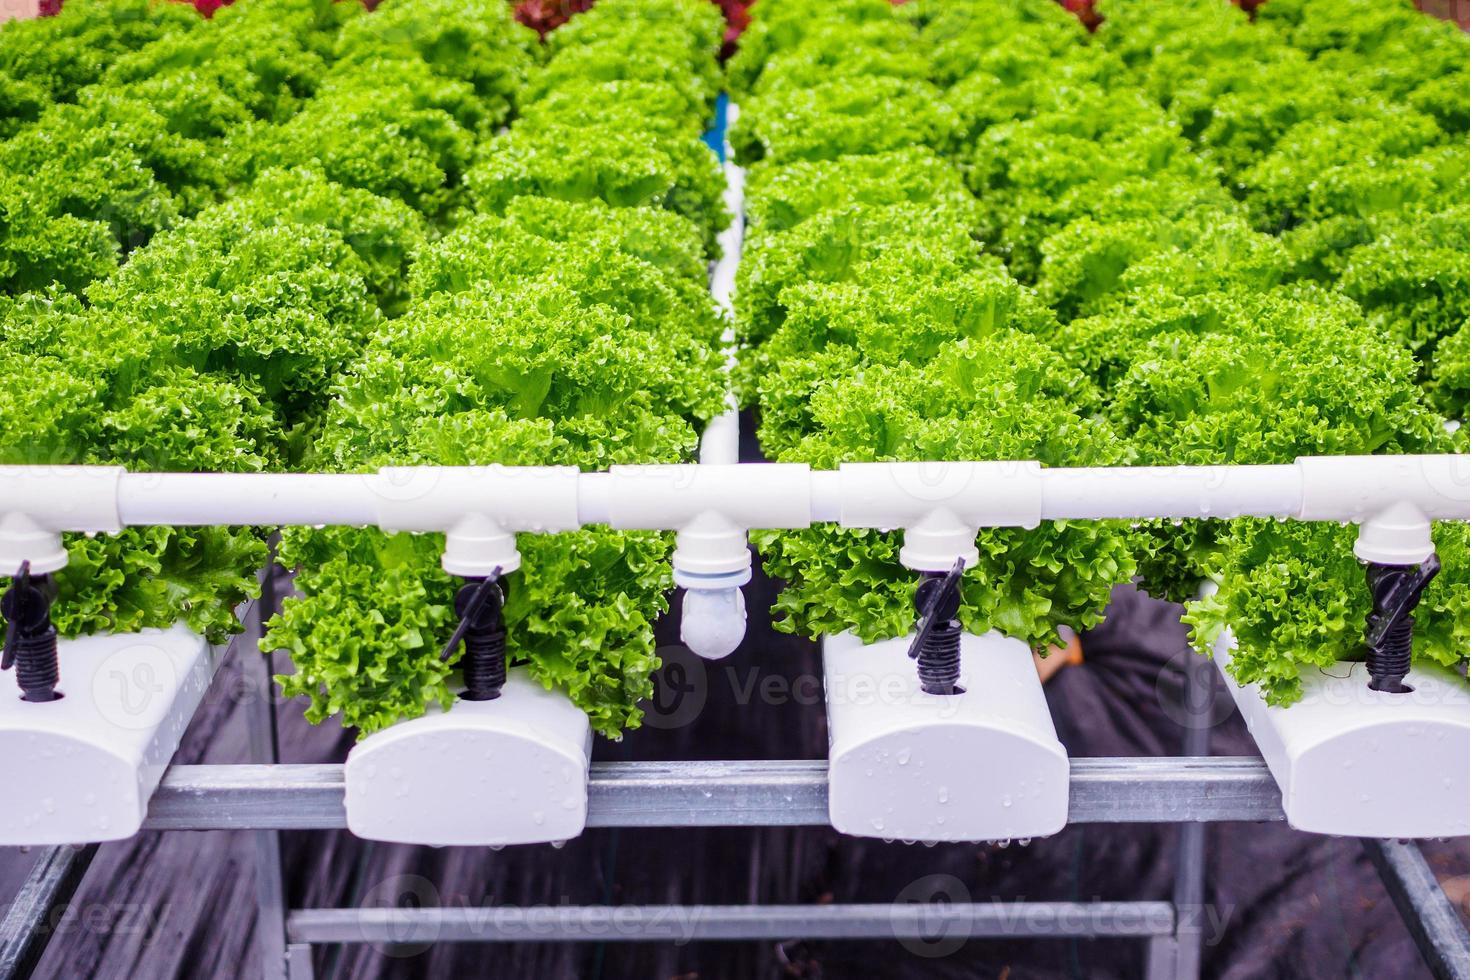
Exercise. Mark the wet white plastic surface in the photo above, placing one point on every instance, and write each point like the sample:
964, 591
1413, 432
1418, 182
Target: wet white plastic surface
1364, 763
508, 771
84, 768
712, 621
905, 765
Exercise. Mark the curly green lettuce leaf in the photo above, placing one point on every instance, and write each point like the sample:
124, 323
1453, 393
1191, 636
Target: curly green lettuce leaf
842, 116
477, 42
1007, 397
781, 197
609, 162
842, 244
281, 307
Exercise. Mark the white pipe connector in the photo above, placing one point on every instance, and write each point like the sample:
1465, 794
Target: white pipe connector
1359, 488
479, 509
1400, 535
38, 503
940, 506
711, 505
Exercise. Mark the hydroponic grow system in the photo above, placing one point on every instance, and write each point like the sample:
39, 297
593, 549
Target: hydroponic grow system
97, 771
95, 768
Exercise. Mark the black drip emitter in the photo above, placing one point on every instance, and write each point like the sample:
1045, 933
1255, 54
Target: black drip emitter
30, 636
936, 644
480, 604
1396, 591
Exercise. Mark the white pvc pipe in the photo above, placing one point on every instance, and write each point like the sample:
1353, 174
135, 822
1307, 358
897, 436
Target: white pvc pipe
720, 443
755, 495
1094, 493
712, 553
767, 495
247, 498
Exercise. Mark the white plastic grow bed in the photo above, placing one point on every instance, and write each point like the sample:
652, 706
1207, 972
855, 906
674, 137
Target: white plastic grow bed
1364, 763
83, 768
508, 771
905, 765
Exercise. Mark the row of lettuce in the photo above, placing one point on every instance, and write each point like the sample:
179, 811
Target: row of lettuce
565, 320
1137, 299
301, 236
298, 236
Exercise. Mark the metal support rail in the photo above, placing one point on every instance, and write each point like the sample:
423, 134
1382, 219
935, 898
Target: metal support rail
1427, 912
32, 917
719, 794
690, 923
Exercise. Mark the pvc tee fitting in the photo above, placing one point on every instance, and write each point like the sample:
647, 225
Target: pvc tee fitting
712, 505
940, 506
479, 509
38, 503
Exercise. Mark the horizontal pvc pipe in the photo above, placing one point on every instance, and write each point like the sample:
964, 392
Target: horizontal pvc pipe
247, 498
1137, 492
747, 495
765, 495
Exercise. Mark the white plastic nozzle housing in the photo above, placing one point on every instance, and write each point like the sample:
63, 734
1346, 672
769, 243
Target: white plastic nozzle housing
711, 554
711, 544
83, 768
1400, 535
935, 542
1357, 762
712, 505
479, 508
712, 620
37, 503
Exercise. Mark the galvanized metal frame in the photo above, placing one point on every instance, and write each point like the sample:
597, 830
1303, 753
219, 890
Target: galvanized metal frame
33, 915
1428, 913
719, 794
